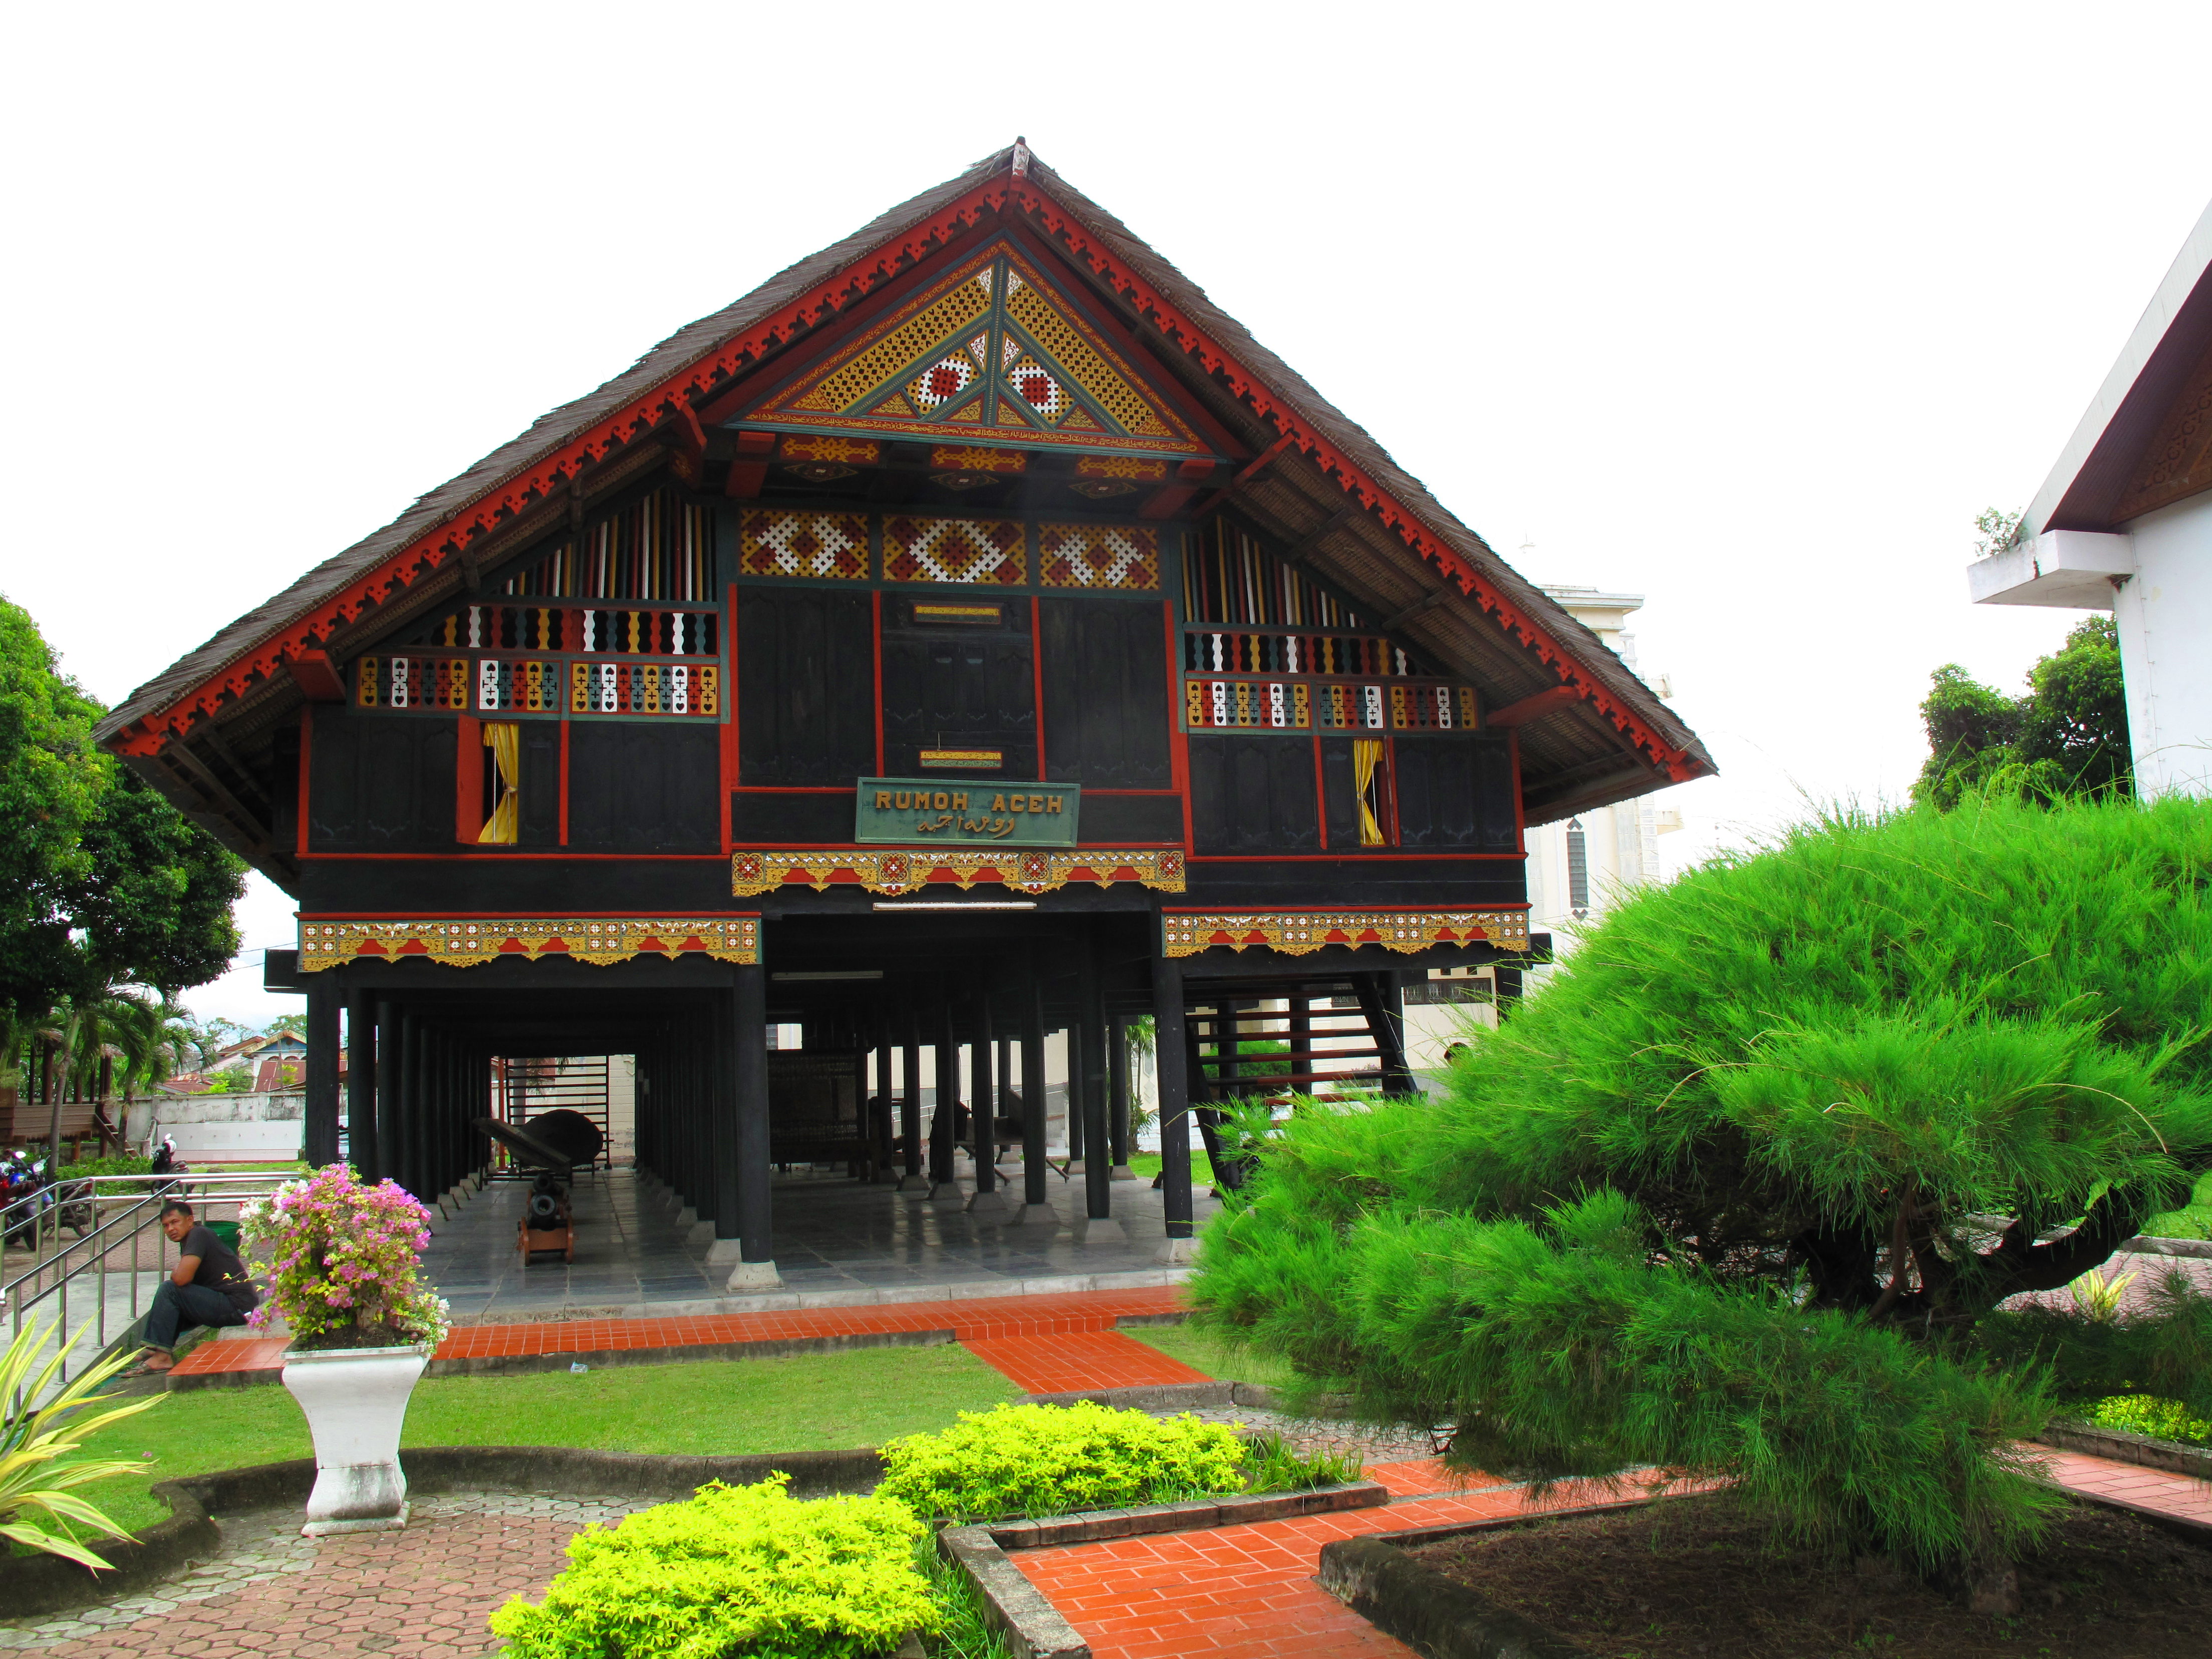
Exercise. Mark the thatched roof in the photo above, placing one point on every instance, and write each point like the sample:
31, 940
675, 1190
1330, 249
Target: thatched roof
1393, 551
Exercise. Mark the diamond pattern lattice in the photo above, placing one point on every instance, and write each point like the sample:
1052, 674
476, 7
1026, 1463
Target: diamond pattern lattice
991, 344
1099, 555
953, 550
834, 545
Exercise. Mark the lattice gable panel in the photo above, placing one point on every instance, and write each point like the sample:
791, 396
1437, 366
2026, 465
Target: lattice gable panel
993, 346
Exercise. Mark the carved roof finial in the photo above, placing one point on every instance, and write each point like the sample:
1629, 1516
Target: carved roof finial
1021, 158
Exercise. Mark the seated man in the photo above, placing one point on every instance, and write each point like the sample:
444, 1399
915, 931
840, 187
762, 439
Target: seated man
208, 1287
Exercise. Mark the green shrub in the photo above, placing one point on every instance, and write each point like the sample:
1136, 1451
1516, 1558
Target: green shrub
2145, 1413
107, 1166
1049, 1459
1272, 1464
737, 1570
1719, 1197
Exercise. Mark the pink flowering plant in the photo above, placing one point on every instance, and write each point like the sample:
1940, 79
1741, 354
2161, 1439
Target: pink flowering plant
346, 1261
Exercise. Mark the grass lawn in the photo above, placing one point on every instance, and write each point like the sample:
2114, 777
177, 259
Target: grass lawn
1145, 1165
1205, 1351
811, 1402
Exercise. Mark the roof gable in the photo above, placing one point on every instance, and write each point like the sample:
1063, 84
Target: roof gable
991, 347
1333, 495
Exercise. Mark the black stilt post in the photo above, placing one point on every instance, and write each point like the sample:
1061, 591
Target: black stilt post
360, 1085
984, 1104
910, 1104
321, 1131
1036, 1167
756, 1266
1172, 1062
1117, 1079
941, 1122
1097, 1168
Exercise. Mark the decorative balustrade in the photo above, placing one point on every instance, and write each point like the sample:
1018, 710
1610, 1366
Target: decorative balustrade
1245, 705
1222, 651
533, 686
634, 633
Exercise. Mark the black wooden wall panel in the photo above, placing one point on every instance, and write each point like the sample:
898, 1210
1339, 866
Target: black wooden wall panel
806, 686
1339, 800
1253, 795
794, 820
380, 784
1106, 715
959, 688
1455, 795
1131, 817
540, 825
635, 786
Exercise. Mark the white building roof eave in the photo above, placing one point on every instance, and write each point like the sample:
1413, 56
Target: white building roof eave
2181, 281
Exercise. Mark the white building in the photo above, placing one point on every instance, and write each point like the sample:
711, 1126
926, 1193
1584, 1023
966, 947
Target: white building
2123, 524
1577, 867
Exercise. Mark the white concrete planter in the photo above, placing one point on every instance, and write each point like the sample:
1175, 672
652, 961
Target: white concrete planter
355, 1399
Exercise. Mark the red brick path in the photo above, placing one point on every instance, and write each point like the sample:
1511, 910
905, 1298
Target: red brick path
986, 1320
2131, 1484
1248, 1592
421, 1594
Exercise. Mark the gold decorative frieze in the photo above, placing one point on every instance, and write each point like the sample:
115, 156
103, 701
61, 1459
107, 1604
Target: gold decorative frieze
909, 869
464, 942
1301, 933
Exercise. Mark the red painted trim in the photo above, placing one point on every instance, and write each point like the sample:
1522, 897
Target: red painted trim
1036, 685
468, 779
715, 371
788, 789
963, 848
306, 766
1327, 909
564, 786
468, 915
463, 858
1178, 739
876, 650
1161, 795
1321, 792
1348, 858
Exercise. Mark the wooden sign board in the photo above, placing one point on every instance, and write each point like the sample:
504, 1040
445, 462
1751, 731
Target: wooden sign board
909, 810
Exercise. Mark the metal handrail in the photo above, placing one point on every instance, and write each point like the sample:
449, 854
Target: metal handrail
124, 1209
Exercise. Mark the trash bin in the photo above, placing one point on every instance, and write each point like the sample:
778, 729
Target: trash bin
226, 1233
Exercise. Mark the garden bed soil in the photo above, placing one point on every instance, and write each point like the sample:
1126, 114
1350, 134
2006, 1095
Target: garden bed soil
1692, 1578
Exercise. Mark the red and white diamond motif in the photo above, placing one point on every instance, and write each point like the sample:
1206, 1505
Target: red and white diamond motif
1038, 389
947, 378
813, 544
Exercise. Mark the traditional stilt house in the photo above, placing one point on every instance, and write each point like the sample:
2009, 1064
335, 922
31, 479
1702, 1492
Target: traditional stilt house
973, 632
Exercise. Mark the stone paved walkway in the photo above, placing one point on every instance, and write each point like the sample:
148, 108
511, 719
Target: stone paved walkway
423, 1592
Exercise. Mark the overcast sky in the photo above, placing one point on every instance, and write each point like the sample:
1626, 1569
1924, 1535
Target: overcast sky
1747, 309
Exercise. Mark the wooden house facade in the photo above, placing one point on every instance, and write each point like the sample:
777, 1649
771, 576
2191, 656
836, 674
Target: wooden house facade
972, 633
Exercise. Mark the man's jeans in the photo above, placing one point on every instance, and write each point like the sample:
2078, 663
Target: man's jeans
181, 1307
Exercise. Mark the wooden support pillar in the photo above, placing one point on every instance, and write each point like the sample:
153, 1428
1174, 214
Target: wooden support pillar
983, 1101
1171, 1058
321, 1135
1090, 1025
755, 1269
1036, 1167
360, 1083
394, 1098
910, 1102
1508, 992
881, 1106
1117, 1081
941, 1122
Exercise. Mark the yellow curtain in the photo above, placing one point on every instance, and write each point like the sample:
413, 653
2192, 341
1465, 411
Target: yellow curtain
1366, 755
504, 739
